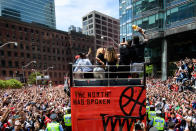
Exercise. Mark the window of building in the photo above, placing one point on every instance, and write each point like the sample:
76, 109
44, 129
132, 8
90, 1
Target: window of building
85, 18
110, 20
97, 21
27, 47
97, 16
9, 53
15, 54
53, 50
91, 26
45, 58
98, 32
28, 55
32, 31
3, 64
49, 57
16, 64
90, 16
34, 56
104, 23
8, 35
21, 46
2, 53
11, 73
22, 54
3, 73
104, 28
48, 50
90, 21
13, 26
20, 28
54, 58
39, 57
25, 29
10, 63
98, 26
103, 18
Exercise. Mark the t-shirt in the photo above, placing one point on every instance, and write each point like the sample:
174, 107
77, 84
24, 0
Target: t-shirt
126, 54
101, 57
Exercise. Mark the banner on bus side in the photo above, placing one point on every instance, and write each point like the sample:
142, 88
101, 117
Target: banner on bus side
107, 108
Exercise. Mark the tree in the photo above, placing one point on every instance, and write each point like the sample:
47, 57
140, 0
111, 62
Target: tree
32, 77
149, 69
13, 83
2, 84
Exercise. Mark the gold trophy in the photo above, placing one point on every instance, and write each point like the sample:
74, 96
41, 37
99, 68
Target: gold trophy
137, 28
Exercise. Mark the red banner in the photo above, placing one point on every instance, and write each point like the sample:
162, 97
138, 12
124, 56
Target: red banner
107, 108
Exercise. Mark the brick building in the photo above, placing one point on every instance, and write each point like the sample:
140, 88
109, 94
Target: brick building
48, 47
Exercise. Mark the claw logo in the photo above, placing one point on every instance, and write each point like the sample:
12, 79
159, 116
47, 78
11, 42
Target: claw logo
132, 101
133, 105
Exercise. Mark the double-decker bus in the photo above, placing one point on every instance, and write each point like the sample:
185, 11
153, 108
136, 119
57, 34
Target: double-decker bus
109, 103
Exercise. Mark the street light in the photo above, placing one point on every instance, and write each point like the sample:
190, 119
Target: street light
25, 67
102, 37
48, 69
15, 43
35, 76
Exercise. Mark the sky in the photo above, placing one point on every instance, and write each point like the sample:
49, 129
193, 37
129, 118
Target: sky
70, 12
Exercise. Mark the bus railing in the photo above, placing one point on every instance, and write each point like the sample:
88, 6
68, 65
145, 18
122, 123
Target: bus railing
135, 76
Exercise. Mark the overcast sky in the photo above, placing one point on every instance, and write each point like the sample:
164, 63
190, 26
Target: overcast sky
70, 12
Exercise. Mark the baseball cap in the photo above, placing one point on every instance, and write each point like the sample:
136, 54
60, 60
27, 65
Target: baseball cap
153, 129
77, 56
53, 116
158, 112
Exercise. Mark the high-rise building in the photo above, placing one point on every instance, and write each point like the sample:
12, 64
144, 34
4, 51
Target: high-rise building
125, 15
105, 28
170, 26
32, 11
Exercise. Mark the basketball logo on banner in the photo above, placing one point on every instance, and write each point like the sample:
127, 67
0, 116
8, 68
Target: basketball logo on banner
133, 102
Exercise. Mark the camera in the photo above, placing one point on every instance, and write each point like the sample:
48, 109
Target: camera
138, 125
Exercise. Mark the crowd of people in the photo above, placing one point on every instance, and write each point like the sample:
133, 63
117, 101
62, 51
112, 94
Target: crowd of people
174, 98
29, 109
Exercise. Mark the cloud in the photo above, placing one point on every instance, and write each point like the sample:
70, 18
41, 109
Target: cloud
62, 2
70, 12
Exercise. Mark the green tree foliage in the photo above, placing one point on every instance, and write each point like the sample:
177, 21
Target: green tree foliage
32, 77
12, 83
149, 69
2, 84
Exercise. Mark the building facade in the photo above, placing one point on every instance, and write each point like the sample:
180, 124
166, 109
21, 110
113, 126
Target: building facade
170, 26
125, 16
32, 11
48, 47
106, 29
72, 28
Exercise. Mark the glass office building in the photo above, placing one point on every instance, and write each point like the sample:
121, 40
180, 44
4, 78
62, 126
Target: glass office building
169, 24
154, 15
32, 11
125, 12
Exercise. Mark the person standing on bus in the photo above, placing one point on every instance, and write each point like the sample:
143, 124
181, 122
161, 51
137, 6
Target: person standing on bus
100, 62
111, 61
85, 66
126, 54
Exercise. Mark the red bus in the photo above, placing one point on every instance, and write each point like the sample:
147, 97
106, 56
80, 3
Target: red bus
108, 104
